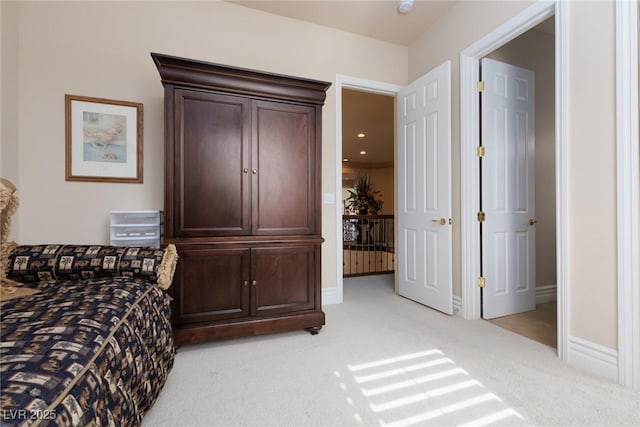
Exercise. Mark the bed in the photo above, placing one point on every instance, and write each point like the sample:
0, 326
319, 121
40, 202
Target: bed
85, 334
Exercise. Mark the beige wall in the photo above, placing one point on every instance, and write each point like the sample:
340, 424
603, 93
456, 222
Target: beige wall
534, 50
592, 174
101, 49
9, 98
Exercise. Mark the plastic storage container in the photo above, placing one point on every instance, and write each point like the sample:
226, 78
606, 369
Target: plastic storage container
136, 228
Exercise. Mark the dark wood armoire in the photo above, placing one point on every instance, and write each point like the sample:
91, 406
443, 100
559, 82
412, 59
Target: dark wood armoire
242, 199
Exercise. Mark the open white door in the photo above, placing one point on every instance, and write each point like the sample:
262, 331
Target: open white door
508, 198
424, 266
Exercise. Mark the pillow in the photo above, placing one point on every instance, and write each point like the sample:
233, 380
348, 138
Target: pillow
86, 262
167, 267
140, 262
33, 263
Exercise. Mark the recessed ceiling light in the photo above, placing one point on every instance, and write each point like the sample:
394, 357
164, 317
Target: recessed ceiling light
405, 6
345, 160
363, 152
361, 135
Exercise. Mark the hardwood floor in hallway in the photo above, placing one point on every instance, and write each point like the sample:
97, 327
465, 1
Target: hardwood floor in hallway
539, 325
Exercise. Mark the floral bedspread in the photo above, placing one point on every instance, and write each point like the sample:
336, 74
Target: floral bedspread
84, 352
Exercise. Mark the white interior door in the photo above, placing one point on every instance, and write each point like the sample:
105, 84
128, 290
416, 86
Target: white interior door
508, 198
424, 190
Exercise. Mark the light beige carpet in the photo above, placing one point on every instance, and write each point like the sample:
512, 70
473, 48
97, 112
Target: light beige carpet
384, 360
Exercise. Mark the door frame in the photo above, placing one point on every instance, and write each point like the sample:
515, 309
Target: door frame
469, 140
371, 86
628, 191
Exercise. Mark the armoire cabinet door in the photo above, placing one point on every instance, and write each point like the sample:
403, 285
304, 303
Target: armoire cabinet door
284, 162
211, 151
285, 279
211, 284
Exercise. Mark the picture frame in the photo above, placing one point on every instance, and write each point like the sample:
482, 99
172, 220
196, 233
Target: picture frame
103, 140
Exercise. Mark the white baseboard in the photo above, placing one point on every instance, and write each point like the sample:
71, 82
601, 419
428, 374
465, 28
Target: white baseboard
543, 294
593, 358
457, 305
330, 296
546, 293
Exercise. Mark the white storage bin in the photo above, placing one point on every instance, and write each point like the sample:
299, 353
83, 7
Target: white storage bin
146, 218
152, 243
149, 232
136, 228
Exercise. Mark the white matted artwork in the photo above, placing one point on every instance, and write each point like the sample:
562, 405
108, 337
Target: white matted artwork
103, 140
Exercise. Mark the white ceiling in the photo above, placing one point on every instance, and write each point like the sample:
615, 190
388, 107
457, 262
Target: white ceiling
378, 19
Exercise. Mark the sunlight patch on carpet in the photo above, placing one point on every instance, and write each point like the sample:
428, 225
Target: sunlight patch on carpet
410, 389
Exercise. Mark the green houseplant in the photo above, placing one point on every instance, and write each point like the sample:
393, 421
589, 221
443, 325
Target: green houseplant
363, 199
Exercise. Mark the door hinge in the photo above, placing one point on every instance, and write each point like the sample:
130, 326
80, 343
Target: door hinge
481, 282
480, 86
481, 216
480, 151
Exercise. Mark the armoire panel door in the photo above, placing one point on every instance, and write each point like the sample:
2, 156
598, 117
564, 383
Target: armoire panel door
211, 284
212, 159
284, 168
284, 279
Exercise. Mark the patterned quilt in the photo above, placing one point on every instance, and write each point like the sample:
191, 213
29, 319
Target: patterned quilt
84, 352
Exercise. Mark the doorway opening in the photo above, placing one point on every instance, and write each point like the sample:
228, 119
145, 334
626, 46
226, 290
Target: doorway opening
532, 282
368, 193
426, 124
335, 295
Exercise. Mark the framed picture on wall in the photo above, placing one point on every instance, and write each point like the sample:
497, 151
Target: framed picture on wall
103, 140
